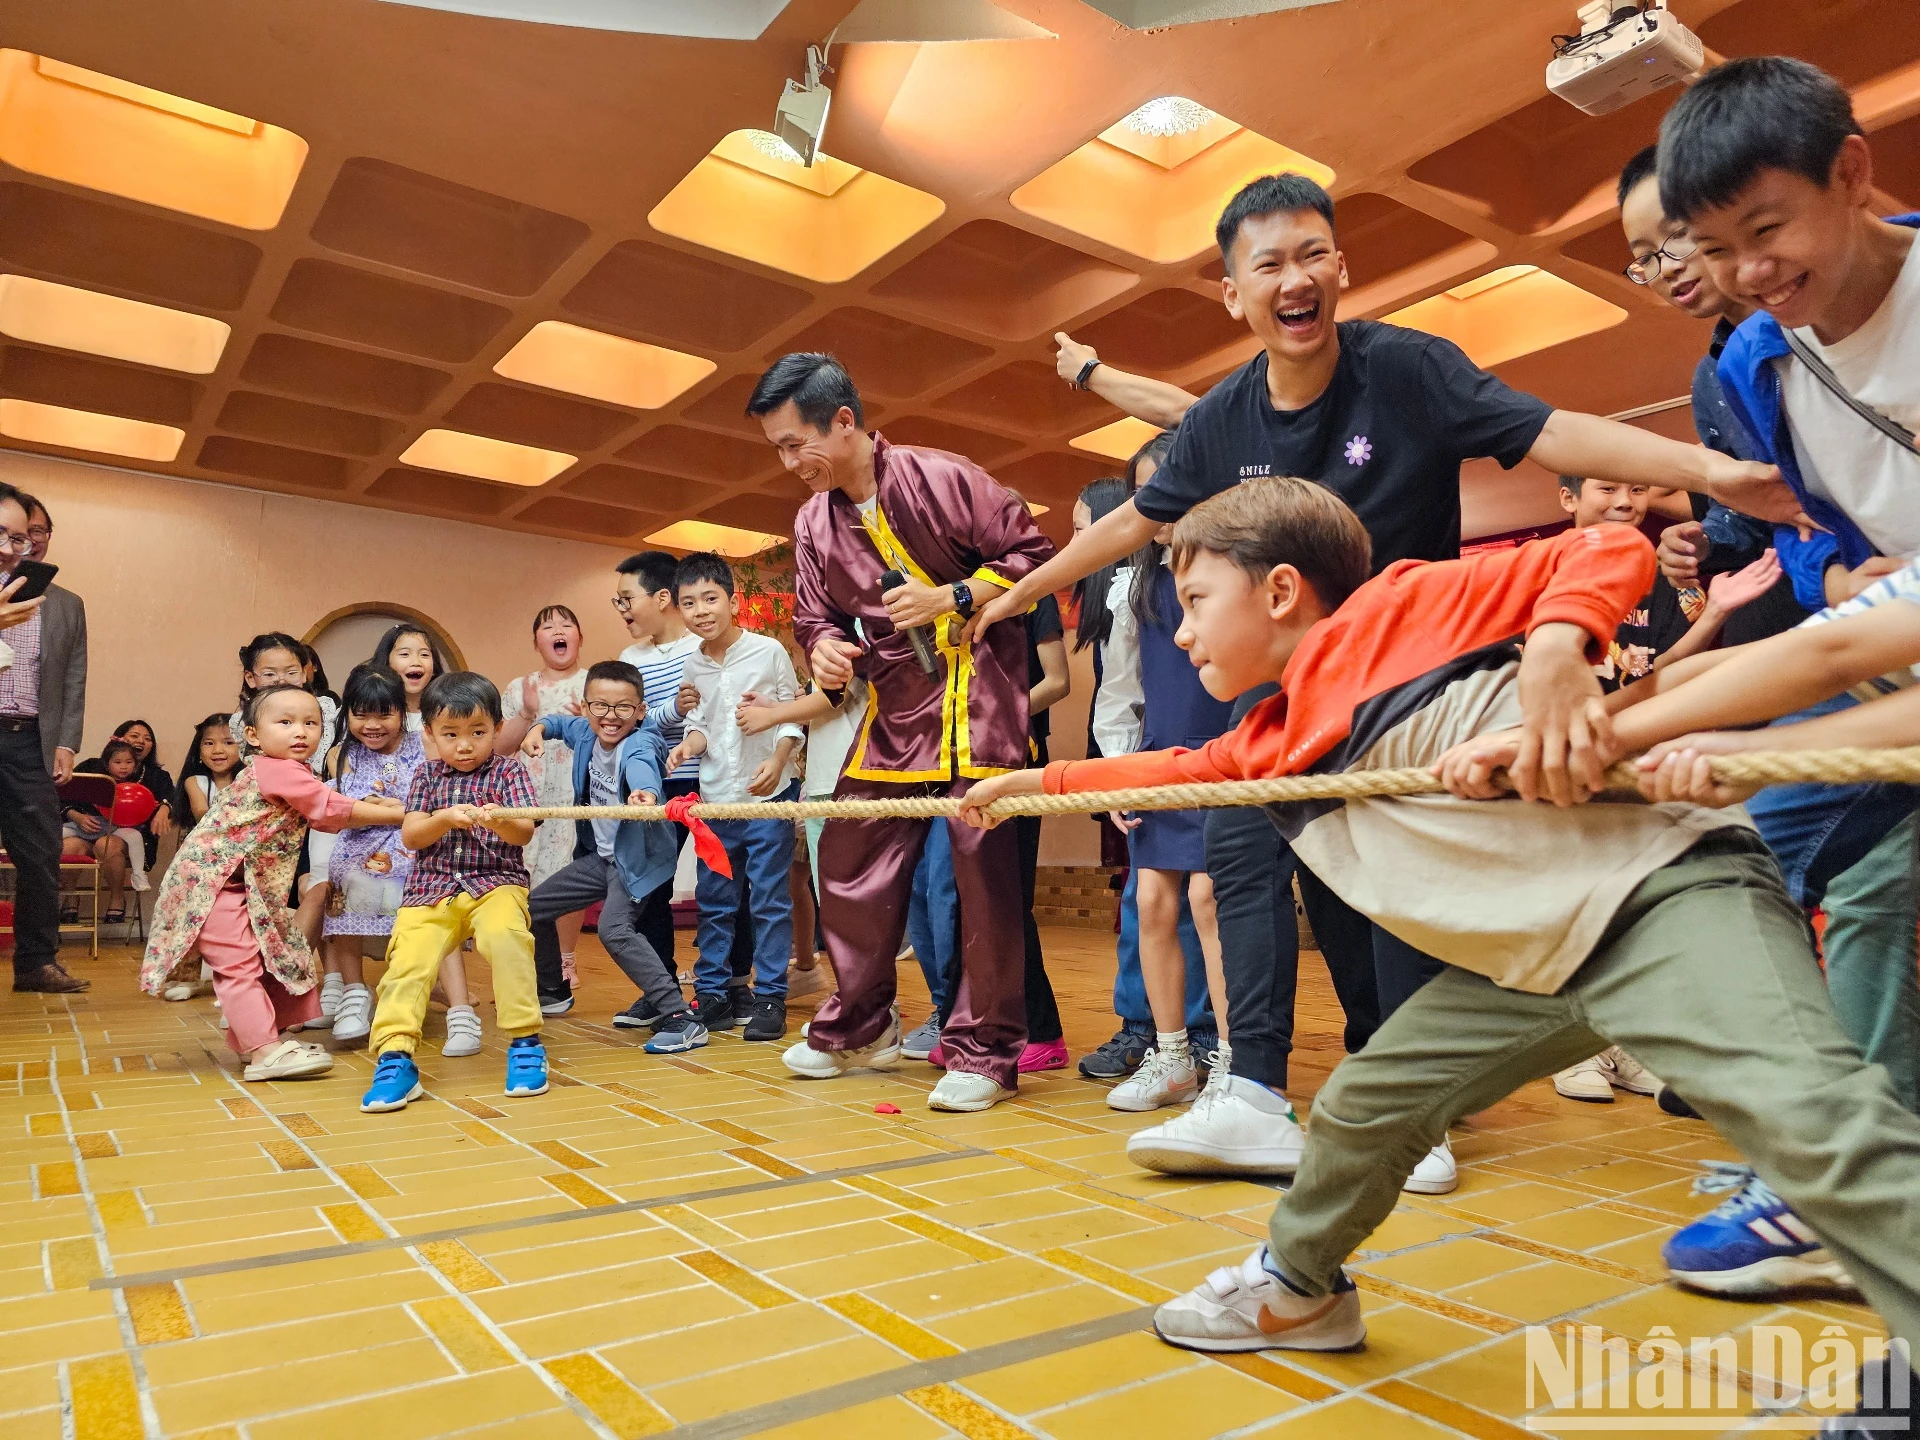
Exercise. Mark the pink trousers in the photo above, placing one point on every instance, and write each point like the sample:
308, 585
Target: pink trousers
257, 1006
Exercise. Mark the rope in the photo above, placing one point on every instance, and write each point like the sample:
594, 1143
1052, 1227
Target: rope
1760, 767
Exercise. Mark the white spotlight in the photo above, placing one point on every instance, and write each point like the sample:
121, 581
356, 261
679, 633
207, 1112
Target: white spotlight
801, 118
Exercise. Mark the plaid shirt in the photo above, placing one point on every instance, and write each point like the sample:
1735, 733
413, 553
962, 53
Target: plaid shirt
475, 860
20, 681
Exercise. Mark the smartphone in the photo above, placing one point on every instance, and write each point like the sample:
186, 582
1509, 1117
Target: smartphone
39, 575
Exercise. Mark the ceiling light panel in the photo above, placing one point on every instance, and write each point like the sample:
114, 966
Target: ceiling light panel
104, 133
67, 318
1117, 441
708, 20
1510, 312
725, 540
1157, 195
483, 458
825, 222
89, 430
559, 356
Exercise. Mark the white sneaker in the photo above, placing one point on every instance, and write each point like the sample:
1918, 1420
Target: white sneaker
1630, 1075
1586, 1081
1160, 1080
962, 1090
463, 1032
1236, 1127
1434, 1175
1245, 1307
288, 1060
812, 1064
354, 1018
804, 983
1596, 1079
177, 992
331, 989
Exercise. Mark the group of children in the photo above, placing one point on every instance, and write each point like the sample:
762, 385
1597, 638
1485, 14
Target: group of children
299, 838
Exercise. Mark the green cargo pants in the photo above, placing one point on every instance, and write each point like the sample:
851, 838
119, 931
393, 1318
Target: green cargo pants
1707, 977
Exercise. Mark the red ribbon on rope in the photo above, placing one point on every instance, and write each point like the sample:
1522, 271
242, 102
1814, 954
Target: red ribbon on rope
706, 844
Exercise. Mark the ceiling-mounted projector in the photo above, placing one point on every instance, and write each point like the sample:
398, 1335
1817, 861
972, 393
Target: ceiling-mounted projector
1622, 53
801, 118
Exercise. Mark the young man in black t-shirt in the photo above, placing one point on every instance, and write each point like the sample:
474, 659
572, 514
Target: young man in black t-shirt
1384, 416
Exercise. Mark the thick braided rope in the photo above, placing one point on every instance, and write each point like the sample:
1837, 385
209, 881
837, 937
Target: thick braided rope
1769, 767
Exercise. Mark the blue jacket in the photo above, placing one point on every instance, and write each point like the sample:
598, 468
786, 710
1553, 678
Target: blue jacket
1752, 389
646, 851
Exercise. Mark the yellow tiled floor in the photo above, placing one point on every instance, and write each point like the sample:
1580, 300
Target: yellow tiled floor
646, 1250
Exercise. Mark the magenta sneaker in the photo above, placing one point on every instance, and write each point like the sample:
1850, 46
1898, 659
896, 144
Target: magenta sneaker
937, 1057
1048, 1055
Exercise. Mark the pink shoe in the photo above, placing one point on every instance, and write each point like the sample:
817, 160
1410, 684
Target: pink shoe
938, 1057
1048, 1055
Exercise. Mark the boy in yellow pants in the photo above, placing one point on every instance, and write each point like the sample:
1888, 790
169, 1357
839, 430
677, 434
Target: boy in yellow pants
469, 878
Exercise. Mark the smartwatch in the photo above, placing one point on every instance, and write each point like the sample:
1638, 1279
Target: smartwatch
1086, 374
963, 599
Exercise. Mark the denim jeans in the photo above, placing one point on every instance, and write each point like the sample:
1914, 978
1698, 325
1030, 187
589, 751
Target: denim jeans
761, 852
1130, 986
933, 920
1851, 849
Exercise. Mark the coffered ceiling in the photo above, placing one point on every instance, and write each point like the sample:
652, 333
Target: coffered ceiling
424, 257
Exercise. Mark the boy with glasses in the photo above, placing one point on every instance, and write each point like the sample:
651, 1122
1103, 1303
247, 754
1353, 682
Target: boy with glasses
617, 760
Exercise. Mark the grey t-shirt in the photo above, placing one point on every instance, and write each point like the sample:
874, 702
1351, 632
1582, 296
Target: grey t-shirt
603, 786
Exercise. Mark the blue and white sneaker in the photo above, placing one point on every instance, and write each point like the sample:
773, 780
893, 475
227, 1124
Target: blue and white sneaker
396, 1080
677, 1033
526, 1066
1751, 1245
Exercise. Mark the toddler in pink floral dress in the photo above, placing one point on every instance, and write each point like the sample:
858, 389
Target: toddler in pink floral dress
227, 889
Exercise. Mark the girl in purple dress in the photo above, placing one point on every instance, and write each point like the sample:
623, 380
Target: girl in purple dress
368, 867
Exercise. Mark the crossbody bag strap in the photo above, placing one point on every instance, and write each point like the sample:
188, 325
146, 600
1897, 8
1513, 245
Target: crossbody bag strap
1820, 371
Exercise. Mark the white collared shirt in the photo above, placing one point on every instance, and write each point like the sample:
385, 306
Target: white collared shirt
753, 663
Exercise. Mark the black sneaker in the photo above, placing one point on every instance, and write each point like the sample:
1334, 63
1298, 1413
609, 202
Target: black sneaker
714, 1010
1886, 1403
636, 1016
1119, 1057
1672, 1104
768, 1019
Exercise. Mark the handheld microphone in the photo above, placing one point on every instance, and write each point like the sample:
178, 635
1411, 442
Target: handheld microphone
916, 634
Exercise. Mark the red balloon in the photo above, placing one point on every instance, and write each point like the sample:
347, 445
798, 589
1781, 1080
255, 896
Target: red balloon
133, 805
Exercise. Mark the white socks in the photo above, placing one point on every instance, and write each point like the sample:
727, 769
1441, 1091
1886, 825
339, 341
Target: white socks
1173, 1045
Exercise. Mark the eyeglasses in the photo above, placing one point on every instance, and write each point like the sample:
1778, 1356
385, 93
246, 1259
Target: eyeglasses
600, 709
40, 534
1676, 249
19, 544
623, 603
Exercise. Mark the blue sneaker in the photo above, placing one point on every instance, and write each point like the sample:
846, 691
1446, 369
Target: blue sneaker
527, 1066
1752, 1245
677, 1033
396, 1080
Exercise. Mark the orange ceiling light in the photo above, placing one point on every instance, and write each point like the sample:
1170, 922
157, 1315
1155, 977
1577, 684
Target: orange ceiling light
68, 318
1117, 441
1509, 312
559, 356
483, 458
1153, 183
826, 224
721, 539
103, 133
88, 430
1036, 510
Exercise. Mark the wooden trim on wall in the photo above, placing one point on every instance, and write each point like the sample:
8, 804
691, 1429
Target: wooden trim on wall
390, 607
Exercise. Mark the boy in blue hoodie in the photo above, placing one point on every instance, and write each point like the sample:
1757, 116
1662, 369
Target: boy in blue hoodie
618, 751
1765, 164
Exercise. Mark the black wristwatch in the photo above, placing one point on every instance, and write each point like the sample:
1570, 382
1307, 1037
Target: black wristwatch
963, 599
1086, 374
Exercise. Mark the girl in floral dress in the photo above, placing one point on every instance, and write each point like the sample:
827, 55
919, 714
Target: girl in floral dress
561, 684
367, 868
228, 887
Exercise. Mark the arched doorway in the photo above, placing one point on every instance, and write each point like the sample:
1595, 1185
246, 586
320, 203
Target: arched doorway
345, 637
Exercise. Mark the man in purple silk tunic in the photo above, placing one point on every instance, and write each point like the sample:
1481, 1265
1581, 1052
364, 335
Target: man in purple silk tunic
958, 536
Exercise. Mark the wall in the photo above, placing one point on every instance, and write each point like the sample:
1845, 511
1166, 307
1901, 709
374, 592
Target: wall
177, 574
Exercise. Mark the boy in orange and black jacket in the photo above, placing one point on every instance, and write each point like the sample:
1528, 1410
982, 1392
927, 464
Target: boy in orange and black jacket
1565, 927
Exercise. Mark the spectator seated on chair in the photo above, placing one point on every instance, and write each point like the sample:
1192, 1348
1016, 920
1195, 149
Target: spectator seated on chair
120, 850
